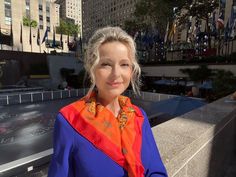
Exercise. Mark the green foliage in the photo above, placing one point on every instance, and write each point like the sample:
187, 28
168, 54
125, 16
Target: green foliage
198, 74
67, 27
28, 22
224, 83
34, 23
156, 13
131, 26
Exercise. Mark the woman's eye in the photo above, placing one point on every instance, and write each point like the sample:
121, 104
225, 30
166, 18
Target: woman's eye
125, 64
105, 64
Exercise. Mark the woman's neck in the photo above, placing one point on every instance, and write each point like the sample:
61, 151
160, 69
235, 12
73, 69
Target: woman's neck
111, 104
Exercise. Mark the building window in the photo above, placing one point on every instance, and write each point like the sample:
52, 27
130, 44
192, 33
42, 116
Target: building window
27, 8
8, 18
40, 18
48, 19
47, 7
48, 28
41, 26
40, 7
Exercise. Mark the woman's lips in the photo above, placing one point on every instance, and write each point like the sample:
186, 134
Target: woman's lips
114, 84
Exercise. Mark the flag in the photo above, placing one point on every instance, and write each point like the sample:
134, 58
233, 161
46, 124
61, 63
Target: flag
232, 30
72, 46
74, 43
213, 24
61, 41
172, 32
196, 29
54, 38
21, 34
68, 40
220, 20
45, 38
227, 32
80, 44
11, 36
38, 37
5, 38
0, 35
166, 34
30, 36
232, 21
145, 39
136, 35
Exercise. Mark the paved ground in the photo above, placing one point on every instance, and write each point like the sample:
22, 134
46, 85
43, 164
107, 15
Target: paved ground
25, 128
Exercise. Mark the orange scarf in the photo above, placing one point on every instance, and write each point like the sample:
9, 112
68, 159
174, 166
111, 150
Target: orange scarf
120, 138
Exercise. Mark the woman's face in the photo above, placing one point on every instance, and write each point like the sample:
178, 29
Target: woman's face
114, 70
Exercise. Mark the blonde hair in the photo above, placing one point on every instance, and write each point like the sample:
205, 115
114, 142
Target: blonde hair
110, 34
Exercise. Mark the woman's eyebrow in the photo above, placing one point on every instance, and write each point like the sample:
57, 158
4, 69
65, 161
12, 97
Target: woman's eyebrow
106, 59
125, 59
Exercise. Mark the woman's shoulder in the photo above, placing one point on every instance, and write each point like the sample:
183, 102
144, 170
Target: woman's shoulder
138, 109
73, 109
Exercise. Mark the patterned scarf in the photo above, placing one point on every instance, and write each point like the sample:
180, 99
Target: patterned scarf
120, 138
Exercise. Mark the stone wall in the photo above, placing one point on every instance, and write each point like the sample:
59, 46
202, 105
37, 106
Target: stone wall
199, 143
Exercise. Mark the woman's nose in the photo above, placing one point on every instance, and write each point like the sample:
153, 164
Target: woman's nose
116, 71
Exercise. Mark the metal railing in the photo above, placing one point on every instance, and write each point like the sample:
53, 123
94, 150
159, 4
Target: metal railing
31, 97
40, 96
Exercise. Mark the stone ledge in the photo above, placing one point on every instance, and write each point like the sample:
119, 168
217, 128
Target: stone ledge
183, 140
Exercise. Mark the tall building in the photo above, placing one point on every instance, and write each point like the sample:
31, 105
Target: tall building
71, 10
18, 16
100, 13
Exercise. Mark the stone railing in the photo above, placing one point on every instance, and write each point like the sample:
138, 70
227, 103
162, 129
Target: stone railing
199, 143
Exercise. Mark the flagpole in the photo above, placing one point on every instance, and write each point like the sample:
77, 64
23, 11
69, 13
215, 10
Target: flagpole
61, 45
38, 40
1, 36
46, 46
31, 39
21, 37
232, 46
228, 47
54, 38
40, 46
11, 37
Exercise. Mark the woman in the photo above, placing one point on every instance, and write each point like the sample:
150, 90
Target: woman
104, 134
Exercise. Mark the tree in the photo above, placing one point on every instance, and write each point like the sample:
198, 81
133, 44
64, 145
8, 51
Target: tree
200, 9
68, 27
155, 13
198, 74
224, 83
28, 22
